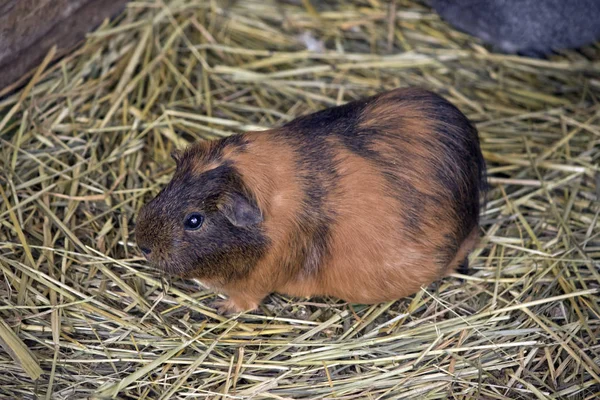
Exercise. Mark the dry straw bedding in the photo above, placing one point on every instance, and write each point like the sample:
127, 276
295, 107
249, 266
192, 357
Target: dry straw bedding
86, 143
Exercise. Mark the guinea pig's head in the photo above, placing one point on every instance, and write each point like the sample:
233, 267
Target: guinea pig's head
205, 223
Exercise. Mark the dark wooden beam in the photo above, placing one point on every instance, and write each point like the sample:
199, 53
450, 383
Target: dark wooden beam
29, 29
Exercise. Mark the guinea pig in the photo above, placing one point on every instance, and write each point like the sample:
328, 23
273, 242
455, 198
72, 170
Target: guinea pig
365, 202
533, 28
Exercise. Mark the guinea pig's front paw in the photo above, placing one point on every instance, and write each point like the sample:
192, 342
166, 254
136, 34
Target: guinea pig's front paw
231, 306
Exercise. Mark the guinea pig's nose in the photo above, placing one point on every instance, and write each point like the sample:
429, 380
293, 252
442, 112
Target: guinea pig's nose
145, 250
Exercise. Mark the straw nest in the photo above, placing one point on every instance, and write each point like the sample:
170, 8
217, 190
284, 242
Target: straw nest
86, 142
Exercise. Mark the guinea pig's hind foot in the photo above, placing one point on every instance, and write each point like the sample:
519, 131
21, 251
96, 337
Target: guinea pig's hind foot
233, 306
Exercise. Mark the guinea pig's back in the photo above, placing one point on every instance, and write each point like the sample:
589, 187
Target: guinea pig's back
430, 155
405, 170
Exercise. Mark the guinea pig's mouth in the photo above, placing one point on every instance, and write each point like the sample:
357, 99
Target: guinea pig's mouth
162, 262
167, 267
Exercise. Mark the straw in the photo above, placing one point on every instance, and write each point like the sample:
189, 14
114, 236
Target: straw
87, 141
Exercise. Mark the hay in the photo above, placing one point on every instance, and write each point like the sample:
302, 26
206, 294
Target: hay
87, 141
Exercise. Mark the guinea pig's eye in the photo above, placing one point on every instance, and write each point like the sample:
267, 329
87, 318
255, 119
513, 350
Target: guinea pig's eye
193, 221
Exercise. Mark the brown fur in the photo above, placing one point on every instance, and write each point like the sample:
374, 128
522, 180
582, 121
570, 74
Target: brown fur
367, 202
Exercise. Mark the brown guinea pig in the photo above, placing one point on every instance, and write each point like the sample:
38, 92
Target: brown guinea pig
367, 202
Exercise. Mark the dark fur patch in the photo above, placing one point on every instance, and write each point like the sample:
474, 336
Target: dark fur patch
341, 122
218, 250
318, 171
318, 176
458, 164
462, 156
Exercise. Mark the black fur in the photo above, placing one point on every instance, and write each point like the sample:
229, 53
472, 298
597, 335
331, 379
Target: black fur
317, 171
317, 168
219, 249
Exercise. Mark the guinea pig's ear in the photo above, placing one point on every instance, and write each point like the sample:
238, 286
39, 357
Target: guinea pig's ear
176, 156
240, 210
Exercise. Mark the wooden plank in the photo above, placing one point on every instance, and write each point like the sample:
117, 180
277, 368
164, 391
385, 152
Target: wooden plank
29, 28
